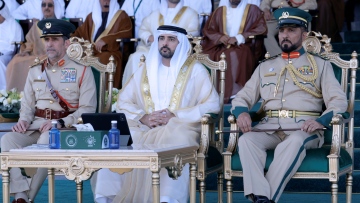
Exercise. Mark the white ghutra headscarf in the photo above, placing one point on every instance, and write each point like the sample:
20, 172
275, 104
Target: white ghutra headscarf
169, 16
233, 15
96, 14
32, 9
153, 61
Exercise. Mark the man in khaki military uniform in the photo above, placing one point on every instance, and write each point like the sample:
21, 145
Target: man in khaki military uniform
293, 86
74, 93
268, 6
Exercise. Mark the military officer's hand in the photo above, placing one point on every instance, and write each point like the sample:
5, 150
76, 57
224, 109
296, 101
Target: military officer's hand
244, 122
224, 39
232, 41
267, 14
99, 45
46, 126
311, 125
20, 126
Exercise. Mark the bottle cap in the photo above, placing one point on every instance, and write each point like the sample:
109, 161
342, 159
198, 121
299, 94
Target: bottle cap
114, 121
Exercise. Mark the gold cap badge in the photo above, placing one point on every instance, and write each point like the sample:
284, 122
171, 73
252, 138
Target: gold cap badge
48, 25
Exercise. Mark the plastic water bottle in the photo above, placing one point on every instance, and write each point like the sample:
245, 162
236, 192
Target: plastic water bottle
54, 136
114, 136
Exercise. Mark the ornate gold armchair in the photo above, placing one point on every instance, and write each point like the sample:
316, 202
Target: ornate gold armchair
335, 158
81, 51
211, 144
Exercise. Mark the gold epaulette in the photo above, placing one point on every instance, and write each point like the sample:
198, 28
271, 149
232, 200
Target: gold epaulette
318, 55
37, 61
269, 58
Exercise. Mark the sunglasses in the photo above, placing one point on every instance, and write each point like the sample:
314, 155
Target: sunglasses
49, 5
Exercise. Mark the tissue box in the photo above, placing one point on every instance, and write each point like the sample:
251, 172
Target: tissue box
84, 140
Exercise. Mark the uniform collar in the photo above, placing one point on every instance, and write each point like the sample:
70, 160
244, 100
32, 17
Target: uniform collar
293, 54
61, 63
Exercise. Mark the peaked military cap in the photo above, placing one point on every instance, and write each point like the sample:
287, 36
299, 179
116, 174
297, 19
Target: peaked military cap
292, 17
55, 27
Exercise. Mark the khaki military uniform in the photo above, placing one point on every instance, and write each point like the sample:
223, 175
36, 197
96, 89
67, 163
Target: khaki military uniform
290, 146
75, 83
271, 44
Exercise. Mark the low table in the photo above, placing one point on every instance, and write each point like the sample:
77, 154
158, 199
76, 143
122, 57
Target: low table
79, 165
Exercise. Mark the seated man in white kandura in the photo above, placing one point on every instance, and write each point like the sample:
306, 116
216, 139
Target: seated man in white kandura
166, 115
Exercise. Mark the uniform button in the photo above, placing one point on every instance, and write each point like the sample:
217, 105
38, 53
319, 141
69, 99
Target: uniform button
67, 89
286, 80
51, 102
267, 83
37, 89
53, 70
283, 100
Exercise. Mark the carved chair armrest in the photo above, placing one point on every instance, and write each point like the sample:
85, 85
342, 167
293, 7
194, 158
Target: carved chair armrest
208, 122
233, 136
17, 46
337, 121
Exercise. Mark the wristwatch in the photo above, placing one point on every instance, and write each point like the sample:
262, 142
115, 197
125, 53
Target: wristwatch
62, 123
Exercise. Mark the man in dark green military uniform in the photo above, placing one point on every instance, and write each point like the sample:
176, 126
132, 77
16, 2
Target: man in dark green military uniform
56, 88
293, 85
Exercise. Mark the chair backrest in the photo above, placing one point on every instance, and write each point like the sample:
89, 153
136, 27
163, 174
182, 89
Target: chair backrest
66, 3
81, 51
20, 1
76, 21
217, 72
26, 25
205, 17
345, 72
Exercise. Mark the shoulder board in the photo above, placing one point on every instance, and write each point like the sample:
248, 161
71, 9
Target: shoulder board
270, 58
37, 62
318, 55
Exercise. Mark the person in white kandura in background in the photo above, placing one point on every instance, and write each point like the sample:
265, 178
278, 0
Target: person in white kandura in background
31, 9
7, 25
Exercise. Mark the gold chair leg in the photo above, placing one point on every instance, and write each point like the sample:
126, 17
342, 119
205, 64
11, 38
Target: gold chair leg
79, 191
202, 191
229, 191
220, 187
349, 183
51, 185
6, 185
334, 192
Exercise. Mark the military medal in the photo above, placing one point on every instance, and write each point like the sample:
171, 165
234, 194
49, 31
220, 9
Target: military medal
68, 75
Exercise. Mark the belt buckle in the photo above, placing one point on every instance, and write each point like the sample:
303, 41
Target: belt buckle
48, 114
283, 114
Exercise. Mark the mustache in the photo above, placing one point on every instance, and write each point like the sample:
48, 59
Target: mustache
106, 6
286, 40
165, 47
50, 50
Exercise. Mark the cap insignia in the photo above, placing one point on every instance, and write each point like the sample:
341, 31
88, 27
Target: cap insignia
48, 25
285, 14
